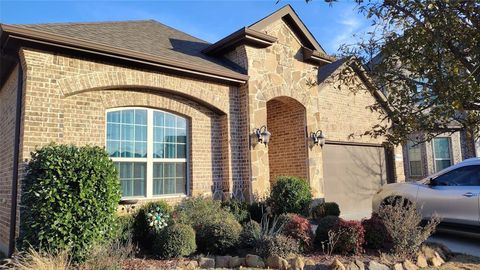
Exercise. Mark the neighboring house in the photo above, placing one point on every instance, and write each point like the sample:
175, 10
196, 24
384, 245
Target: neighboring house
178, 115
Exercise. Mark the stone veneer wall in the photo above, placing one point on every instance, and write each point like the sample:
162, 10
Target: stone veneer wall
8, 101
287, 150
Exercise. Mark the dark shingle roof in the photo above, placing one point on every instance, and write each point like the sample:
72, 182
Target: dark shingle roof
146, 36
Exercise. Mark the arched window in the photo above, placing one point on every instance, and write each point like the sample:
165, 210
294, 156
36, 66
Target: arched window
149, 149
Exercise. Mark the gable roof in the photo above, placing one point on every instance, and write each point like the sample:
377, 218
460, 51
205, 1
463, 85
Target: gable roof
288, 14
145, 40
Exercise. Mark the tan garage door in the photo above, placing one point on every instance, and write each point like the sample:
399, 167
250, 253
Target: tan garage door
352, 174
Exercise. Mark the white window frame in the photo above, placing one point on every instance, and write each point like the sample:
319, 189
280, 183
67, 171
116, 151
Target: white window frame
449, 152
149, 160
410, 160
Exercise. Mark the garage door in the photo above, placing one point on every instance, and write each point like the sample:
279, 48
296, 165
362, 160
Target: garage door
352, 175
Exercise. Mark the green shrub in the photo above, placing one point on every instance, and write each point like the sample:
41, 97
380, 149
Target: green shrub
290, 195
143, 233
250, 233
325, 209
174, 241
376, 234
70, 198
238, 209
125, 228
280, 245
218, 237
198, 211
324, 226
351, 236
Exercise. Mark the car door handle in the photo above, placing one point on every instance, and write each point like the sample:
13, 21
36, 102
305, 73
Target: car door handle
469, 194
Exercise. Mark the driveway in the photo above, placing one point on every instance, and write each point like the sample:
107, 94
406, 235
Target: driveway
458, 242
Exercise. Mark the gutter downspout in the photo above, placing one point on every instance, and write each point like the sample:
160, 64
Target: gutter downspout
16, 154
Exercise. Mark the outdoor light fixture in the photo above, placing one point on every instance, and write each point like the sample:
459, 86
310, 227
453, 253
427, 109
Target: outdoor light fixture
263, 135
318, 138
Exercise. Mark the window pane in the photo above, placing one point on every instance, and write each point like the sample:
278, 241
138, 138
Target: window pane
113, 117
141, 133
442, 148
180, 170
132, 178
140, 117
170, 150
181, 136
180, 188
170, 135
158, 119
416, 168
158, 134
113, 132
127, 116
127, 149
169, 170
181, 122
169, 185
158, 150
442, 164
170, 120
127, 133
181, 151
158, 186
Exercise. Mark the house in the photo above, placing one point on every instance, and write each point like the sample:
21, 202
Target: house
183, 117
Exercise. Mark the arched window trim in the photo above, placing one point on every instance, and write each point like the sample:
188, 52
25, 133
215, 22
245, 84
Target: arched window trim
149, 160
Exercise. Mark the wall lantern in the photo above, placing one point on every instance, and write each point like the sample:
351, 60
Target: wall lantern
263, 135
318, 138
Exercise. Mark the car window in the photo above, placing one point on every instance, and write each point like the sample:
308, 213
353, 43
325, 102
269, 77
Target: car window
464, 176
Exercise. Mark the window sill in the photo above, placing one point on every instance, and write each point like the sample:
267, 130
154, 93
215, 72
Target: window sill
144, 198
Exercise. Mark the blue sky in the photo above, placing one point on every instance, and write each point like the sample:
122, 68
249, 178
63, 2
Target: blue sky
208, 20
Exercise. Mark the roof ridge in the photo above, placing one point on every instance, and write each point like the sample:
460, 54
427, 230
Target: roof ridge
80, 23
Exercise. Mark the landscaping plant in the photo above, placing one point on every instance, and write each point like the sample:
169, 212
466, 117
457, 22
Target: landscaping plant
149, 220
351, 236
325, 209
70, 198
238, 209
298, 228
376, 234
290, 195
325, 225
250, 233
31, 259
403, 223
175, 241
125, 228
279, 244
218, 237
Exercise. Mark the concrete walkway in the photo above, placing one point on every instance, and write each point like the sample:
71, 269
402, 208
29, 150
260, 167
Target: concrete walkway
458, 242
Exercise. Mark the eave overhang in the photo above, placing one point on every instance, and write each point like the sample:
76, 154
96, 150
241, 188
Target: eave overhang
9, 32
316, 57
243, 36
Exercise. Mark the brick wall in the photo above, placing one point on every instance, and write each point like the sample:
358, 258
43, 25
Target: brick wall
287, 150
8, 101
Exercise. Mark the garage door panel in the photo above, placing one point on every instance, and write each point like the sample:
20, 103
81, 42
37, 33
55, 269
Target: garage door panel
352, 175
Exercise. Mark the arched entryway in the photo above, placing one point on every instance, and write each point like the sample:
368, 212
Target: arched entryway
287, 149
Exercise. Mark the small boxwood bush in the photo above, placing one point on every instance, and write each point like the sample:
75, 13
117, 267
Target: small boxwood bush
325, 209
70, 197
125, 229
351, 236
144, 232
281, 245
290, 195
299, 229
218, 237
198, 211
324, 226
250, 233
174, 241
376, 234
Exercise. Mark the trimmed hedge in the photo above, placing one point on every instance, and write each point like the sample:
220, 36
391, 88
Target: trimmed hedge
218, 237
125, 229
174, 241
290, 195
70, 198
250, 232
279, 245
376, 234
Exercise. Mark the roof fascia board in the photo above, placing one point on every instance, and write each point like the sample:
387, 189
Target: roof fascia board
242, 36
105, 50
316, 56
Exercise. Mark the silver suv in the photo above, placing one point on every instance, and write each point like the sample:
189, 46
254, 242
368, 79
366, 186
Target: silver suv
453, 193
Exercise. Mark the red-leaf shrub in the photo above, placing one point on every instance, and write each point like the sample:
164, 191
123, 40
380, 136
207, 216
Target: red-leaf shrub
376, 234
299, 229
352, 236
